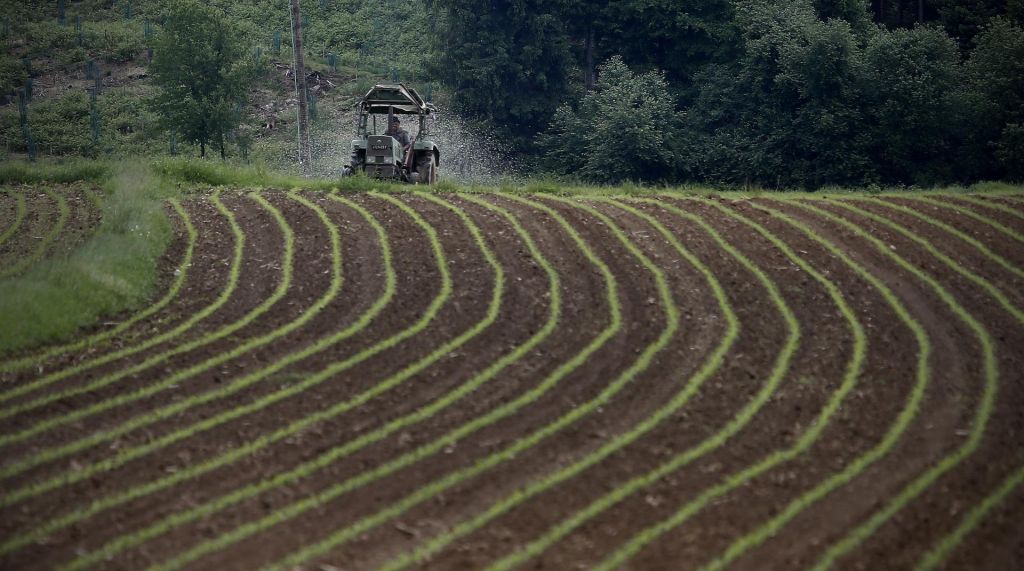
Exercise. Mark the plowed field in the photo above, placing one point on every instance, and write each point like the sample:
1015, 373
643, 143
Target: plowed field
489, 381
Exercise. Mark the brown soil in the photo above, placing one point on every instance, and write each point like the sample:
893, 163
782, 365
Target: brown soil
889, 372
41, 214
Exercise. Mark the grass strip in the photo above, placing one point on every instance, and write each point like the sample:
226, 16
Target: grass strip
937, 556
167, 383
57, 376
689, 388
970, 213
19, 215
981, 282
240, 494
114, 270
443, 294
172, 293
985, 250
125, 496
982, 415
715, 441
175, 408
63, 213
440, 443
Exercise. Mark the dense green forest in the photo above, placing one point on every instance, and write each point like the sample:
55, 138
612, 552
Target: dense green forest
770, 93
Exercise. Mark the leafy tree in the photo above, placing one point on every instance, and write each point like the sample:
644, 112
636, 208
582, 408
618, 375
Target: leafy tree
505, 62
789, 111
995, 101
911, 86
623, 130
203, 71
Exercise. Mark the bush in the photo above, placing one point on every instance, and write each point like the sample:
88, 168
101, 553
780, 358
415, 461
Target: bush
115, 42
623, 130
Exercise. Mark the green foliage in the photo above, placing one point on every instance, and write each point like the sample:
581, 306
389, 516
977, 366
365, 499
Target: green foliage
59, 126
12, 74
995, 75
113, 271
623, 130
203, 70
115, 42
911, 87
505, 62
789, 112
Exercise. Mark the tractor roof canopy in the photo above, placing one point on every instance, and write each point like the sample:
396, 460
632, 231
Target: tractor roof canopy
404, 100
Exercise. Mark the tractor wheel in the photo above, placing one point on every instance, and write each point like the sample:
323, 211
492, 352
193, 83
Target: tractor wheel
427, 169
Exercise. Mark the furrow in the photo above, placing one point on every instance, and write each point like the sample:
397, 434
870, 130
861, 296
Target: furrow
996, 294
690, 387
438, 444
226, 293
125, 398
92, 340
937, 556
169, 411
125, 496
240, 494
984, 411
716, 440
1002, 229
991, 204
985, 250
62, 218
19, 216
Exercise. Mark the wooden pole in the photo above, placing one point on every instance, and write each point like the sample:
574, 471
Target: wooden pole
305, 154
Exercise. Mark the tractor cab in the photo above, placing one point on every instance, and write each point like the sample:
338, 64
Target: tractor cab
382, 156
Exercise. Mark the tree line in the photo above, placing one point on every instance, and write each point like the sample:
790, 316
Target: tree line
775, 93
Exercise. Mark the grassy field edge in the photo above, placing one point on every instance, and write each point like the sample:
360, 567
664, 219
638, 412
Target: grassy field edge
115, 270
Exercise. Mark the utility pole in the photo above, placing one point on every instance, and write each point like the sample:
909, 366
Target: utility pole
305, 155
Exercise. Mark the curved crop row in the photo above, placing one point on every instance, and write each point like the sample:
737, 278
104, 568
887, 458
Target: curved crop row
180, 274
907, 414
991, 204
63, 213
124, 496
226, 293
19, 216
803, 443
984, 412
948, 543
239, 494
393, 426
438, 444
125, 398
1002, 229
985, 250
690, 388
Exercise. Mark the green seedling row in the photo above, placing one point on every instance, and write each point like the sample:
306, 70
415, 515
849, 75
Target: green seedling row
97, 338
970, 213
233, 274
390, 428
937, 556
991, 204
441, 298
690, 387
439, 444
165, 384
19, 216
510, 502
63, 213
715, 441
125, 496
910, 410
982, 415
985, 250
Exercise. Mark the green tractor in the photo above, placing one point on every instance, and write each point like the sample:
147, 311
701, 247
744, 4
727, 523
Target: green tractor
384, 155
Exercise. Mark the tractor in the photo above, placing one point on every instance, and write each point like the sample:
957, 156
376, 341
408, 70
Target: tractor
381, 155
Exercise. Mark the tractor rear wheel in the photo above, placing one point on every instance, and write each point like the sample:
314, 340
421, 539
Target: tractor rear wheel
426, 166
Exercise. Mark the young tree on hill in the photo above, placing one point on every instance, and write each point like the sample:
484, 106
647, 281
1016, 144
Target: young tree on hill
203, 73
